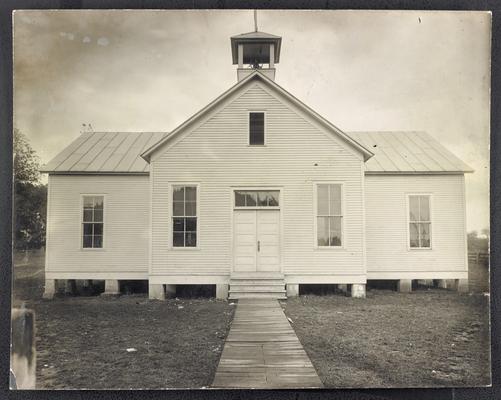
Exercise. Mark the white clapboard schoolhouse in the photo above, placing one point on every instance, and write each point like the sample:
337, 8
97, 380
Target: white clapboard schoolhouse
256, 194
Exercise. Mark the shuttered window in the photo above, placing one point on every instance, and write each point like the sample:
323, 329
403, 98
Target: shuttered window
419, 222
329, 215
184, 216
93, 222
256, 128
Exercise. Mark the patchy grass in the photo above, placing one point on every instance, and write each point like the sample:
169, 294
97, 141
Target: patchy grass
82, 341
425, 338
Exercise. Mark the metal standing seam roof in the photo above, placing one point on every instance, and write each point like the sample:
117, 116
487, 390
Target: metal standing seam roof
408, 152
120, 152
105, 152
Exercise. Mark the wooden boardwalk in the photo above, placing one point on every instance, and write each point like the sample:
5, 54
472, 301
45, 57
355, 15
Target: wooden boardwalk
263, 352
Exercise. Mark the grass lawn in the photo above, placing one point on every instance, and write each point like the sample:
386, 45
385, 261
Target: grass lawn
424, 338
82, 342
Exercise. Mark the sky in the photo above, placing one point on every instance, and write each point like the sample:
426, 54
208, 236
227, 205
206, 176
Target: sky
362, 70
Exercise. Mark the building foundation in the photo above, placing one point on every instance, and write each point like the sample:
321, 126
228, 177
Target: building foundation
111, 287
404, 285
156, 292
358, 291
292, 289
222, 291
50, 289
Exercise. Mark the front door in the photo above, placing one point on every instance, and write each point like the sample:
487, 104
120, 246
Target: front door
257, 240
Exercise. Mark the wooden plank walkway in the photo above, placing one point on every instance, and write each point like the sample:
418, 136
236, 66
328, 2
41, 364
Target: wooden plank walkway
262, 351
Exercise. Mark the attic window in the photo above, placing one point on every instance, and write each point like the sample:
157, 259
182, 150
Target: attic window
256, 128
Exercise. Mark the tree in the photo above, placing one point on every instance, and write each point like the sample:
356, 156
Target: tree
30, 196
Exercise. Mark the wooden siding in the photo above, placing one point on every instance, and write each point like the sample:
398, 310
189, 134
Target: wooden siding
388, 254
216, 155
126, 228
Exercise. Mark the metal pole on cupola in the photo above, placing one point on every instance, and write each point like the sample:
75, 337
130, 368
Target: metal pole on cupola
255, 51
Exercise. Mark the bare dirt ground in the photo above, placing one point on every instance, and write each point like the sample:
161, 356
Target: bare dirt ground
82, 341
424, 338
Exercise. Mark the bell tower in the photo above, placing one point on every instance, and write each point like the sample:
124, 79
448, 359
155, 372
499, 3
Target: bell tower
255, 50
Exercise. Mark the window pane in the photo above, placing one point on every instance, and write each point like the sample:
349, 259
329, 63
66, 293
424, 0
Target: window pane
250, 199
178, 224
191, 239
424, 209
414, 208
273, 198
98, 241
323, 200
414, 235
335, 231
87, 215
190, 208
322, 231
335, 200
98, 202
256, 128
88, 201
425, 235
87, 241
98, 229
178, 239
262, 199
239, 198
98, 215
178, 208
191, 193
178, 193
191, 224
87, 229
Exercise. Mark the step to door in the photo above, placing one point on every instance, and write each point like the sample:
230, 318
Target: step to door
249, 286
257, 295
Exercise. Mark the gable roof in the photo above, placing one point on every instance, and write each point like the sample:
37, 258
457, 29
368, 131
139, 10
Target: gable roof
104, 152
258, 75
408, 152
119, 152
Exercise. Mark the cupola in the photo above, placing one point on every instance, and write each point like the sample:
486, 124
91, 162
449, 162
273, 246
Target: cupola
255, 50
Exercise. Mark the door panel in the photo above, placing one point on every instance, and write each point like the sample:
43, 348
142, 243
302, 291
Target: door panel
257, 240
245, 242
268, 236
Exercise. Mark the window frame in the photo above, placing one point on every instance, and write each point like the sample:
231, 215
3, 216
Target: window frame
249, 112
171, 216
82, 196
408, 219
315, 216
256, 207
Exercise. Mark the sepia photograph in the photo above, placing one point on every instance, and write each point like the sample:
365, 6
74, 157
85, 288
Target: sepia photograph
250, 199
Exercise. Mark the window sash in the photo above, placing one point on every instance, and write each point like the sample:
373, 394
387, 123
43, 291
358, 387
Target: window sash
329, 218
419, 226
184, 216
257, 198
93, 222
256, 128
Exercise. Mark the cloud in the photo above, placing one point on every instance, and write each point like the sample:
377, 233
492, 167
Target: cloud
103, 41
86, 39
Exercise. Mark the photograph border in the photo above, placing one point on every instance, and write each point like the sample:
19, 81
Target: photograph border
6, 128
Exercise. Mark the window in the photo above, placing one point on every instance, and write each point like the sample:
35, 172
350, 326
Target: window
184, 216
256, 198
93, 222
419, 221
329, 215
256, 128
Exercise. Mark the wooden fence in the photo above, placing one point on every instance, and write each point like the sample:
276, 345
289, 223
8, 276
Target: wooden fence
478, 257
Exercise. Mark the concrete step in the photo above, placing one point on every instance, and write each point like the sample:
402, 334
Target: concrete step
251, 286
257, 289
256, 275
257, 295
256, 281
